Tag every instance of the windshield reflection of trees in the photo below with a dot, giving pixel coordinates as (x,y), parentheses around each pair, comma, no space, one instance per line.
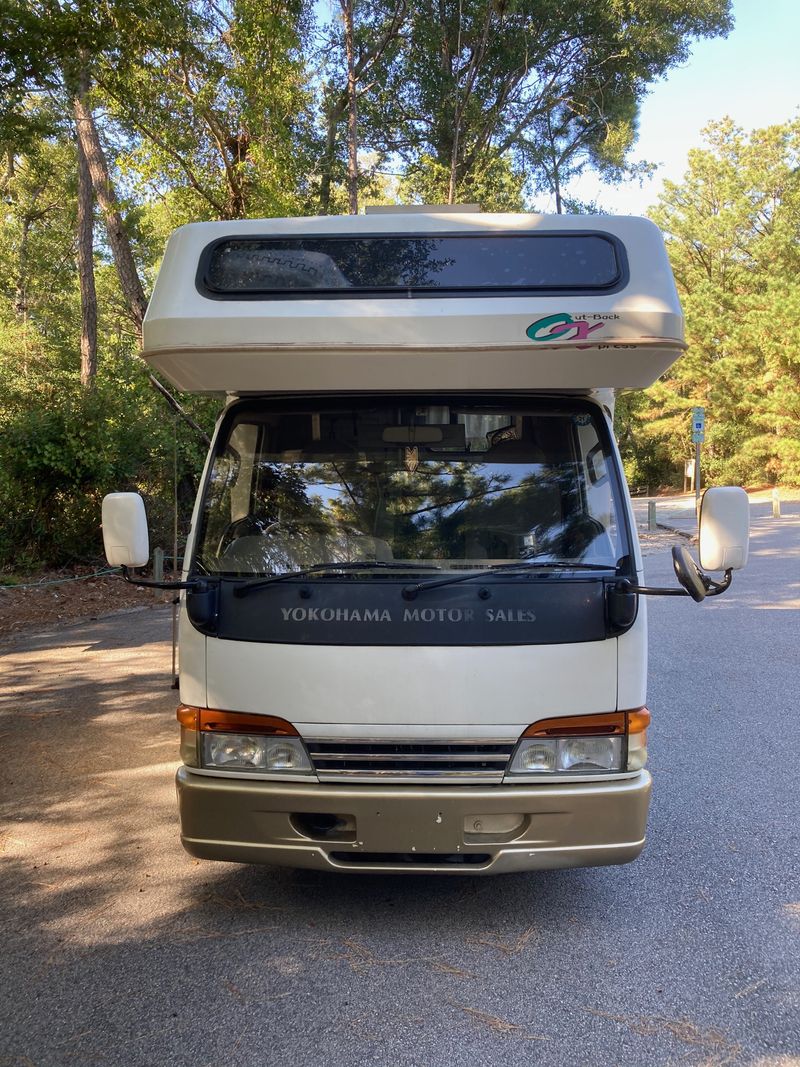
(348,510)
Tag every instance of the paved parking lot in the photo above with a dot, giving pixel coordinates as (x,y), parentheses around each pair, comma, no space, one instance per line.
(118,948)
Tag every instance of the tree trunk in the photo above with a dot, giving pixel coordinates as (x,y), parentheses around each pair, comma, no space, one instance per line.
(451,188)
(333,114)
(21,295)
(557,191)
(89,142)
(555,180)
(86,256)
(352,108)
(118,239)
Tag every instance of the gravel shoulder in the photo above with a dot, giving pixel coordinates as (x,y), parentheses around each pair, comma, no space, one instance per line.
(54,599)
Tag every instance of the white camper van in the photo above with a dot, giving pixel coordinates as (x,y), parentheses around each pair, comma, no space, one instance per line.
(413,632)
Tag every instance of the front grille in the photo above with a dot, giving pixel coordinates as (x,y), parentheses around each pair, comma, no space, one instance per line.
(403,761)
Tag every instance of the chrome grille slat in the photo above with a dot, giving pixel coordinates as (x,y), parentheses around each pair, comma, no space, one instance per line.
(477,759)
(418,757)
(416,776)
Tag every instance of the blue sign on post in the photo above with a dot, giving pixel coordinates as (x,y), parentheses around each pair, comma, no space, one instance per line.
(698,425)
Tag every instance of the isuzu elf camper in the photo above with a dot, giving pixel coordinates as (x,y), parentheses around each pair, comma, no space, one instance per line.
(413,632)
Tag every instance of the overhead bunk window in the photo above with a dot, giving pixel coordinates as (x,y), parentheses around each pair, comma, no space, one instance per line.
(410,265)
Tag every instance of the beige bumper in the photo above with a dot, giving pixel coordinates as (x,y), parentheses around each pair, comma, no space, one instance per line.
(458,830)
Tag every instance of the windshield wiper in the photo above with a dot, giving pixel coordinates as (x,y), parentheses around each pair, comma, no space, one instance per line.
(327,568)
(410,591)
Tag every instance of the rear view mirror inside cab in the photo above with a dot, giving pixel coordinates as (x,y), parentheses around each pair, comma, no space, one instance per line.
(448,436)
(412,435)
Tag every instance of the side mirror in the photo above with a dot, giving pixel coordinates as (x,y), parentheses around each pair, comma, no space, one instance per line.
(125,537)
(688,573)
(724,528)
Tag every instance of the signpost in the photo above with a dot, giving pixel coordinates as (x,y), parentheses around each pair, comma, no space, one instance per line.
(698,436)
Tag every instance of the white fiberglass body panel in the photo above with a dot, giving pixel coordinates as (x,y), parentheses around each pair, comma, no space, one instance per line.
(632,648)
(622,338)
(192,662)
(412,686)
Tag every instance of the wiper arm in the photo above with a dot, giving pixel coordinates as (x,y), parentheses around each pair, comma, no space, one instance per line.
(410,591)
(327,568)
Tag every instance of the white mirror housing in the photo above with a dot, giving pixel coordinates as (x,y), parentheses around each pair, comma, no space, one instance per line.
(724,528)
(125,536)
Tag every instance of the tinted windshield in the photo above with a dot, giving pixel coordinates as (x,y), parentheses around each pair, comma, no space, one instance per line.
(456,485)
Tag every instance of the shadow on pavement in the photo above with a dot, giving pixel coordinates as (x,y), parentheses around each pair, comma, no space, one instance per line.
(118,948)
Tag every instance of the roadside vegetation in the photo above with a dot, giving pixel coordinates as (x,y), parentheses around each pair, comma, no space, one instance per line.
(122,119)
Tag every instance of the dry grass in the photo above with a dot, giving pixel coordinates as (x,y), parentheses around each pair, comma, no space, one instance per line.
(723,1050)
(497,1025)
(443,967)
(748,989)
(512,949)
(361,960)
(234,901)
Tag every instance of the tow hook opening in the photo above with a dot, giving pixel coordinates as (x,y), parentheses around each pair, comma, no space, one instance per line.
(324,826)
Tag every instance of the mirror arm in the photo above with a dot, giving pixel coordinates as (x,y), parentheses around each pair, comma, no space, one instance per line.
(715,588)
(627,586)
(147,584)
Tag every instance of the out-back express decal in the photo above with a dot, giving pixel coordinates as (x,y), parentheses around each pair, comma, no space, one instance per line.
(563,327)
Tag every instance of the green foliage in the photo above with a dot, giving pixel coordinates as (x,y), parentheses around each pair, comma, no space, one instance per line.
(494,185)
(238,108)
(62,448)
(733,229)
(549,89)
(213,115)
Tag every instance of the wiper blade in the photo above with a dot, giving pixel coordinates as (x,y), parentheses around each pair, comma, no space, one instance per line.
(411,591)
(328,568)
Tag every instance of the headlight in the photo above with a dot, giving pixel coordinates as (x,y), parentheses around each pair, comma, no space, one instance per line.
(591,755)
(535,756)
(241,741)
(608,743)
(251,752)
(234,750)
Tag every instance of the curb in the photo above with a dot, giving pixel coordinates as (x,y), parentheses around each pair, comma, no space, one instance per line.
(674,529)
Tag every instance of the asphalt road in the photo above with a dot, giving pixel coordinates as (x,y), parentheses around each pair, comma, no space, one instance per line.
(118,948)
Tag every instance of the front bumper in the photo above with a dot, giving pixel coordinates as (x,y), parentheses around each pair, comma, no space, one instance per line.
(423,829)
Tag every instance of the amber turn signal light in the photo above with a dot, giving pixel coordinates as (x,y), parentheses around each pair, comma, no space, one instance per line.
(233,722)
(605,724)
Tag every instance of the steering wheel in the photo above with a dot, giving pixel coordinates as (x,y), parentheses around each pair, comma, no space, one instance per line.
(246,526)
(579,535)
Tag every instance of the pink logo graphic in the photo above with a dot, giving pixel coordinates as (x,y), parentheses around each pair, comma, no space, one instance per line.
(561,328)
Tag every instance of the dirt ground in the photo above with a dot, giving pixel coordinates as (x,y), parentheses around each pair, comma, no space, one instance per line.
(55,598)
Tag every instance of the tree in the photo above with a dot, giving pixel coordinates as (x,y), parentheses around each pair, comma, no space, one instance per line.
(733,234)
(357,50)
(548,85)
(88,289)
(185,110)
(547,88)
(215,114)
